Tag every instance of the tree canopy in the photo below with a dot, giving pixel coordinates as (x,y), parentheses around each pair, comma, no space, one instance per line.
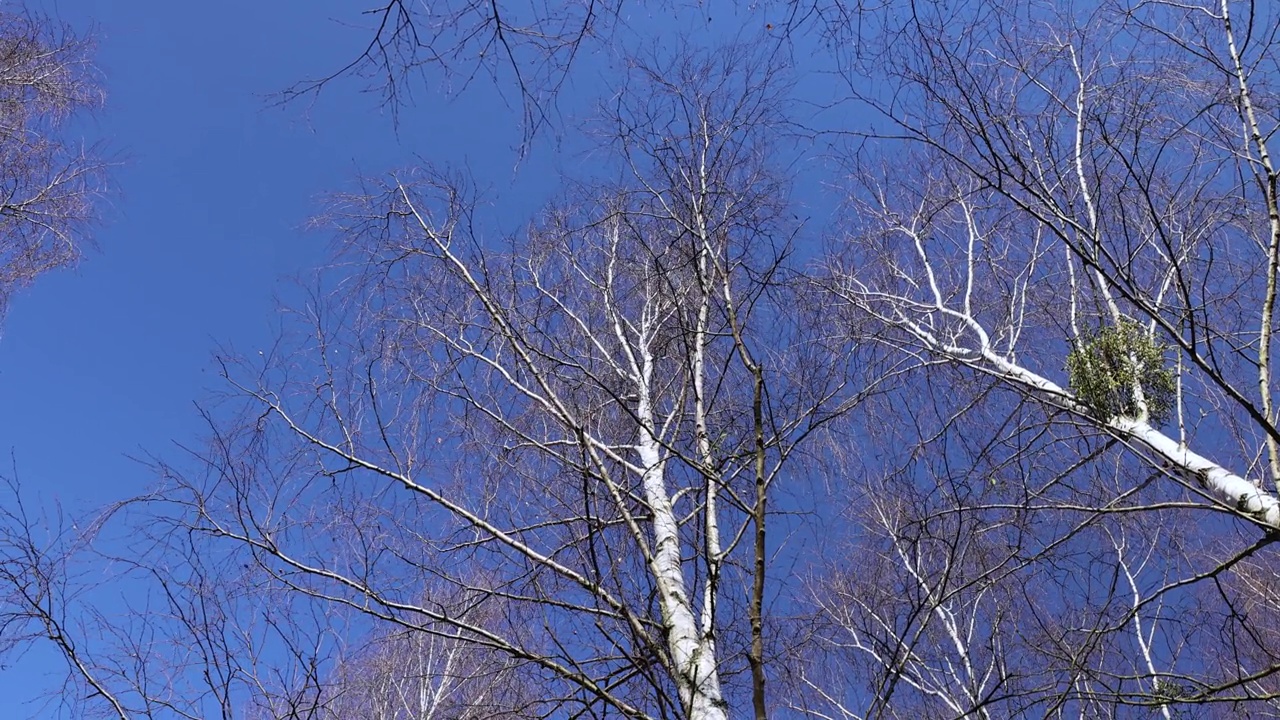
(999,440)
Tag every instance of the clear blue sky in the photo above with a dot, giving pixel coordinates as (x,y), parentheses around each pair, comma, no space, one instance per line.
(204,229)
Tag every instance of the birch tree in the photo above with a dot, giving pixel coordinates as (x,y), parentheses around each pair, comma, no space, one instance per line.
(590,415)
(49,181)
(402,675)
(1068,218)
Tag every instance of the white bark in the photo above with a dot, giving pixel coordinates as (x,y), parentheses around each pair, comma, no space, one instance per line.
(1224,485)
(1267,179)
(959,671)
(949,329)
(1143,635)
(626,345)
(691,652)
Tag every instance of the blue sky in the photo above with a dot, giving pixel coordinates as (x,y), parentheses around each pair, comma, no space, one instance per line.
(204,230)
(214,186)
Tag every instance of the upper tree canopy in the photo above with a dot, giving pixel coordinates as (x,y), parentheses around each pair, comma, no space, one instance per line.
(1004,444)
(49,180)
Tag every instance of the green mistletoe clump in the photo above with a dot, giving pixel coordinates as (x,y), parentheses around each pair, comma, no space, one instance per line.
(1105,367)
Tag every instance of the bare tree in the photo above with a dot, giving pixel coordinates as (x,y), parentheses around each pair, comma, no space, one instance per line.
(531,51)
(154,629)
(48,181)
(405,674)
(559,454)
(40,588)
(1068,218)
(574,432)
(527,48)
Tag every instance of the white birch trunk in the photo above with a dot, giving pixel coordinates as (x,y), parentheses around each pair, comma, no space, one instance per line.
(692,654)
